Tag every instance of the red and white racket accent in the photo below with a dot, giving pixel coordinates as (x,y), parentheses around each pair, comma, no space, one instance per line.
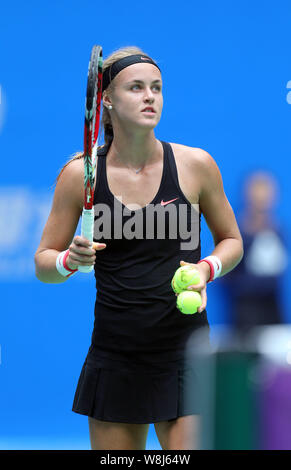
(214,265)
(62,266)
(91,130)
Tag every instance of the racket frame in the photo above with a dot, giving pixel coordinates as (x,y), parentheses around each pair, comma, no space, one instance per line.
(91,131)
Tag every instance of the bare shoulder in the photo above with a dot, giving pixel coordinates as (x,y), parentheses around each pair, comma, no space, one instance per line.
(197,159)
(72,169)
(196,155)
(70,182)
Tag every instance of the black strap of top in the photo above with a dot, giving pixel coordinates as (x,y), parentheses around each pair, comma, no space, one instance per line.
(172,163)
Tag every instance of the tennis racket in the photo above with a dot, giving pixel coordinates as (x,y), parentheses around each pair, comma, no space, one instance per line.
(91,130)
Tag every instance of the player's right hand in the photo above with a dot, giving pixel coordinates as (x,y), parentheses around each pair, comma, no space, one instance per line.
(82,252)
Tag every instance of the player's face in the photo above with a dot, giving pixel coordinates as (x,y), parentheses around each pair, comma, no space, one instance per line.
(137,98)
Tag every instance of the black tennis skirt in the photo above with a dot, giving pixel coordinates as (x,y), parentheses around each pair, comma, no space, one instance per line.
(136,389)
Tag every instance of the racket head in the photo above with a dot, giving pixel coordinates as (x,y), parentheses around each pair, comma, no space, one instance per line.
(92,121)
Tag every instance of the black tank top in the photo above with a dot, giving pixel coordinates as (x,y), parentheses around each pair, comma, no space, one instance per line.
(135,309)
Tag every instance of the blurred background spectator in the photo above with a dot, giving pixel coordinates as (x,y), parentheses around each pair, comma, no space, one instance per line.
(254,286)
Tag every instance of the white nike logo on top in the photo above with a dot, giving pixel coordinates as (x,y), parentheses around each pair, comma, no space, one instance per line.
(164,203)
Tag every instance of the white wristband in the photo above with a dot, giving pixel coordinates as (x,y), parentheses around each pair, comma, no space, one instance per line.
(217,265)
(61,264)
(214,265)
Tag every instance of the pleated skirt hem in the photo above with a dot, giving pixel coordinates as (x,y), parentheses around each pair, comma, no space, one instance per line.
(125,420)
(125,394)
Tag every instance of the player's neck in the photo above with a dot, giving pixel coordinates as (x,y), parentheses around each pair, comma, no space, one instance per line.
(135,150)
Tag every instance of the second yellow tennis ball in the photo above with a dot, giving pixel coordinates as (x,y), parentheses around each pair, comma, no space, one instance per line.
(184,276)
(189,301)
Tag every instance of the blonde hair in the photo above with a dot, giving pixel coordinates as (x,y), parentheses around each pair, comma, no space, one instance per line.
(106,124)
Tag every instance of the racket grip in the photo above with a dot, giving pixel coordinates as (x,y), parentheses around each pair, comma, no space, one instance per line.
(87,227)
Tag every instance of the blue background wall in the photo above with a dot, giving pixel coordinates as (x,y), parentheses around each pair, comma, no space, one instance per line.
(226,67)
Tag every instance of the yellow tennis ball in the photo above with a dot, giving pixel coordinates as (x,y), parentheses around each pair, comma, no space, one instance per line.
(184,276)
(189,301)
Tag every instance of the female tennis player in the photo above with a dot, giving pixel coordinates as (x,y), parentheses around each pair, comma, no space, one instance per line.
(134,373)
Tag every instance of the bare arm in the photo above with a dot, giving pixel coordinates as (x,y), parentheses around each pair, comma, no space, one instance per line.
(58,234)
(220,219)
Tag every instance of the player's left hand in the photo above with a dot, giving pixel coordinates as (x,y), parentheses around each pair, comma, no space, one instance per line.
(203,270)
